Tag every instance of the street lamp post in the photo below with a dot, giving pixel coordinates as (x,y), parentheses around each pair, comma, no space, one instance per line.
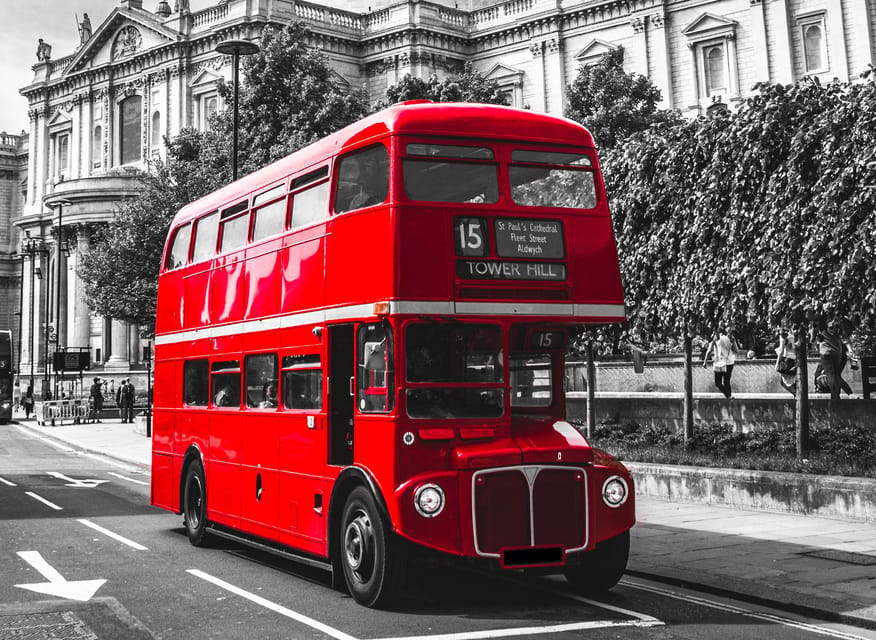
(235,48)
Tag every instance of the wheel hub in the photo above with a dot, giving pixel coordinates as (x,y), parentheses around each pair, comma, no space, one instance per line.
(357,541)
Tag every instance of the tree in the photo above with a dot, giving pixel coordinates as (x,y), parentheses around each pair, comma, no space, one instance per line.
(612,103)
(289,98)
(468,86)
(763,216)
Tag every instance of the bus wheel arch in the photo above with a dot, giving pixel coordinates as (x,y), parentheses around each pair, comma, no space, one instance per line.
(193,496)
(366,555)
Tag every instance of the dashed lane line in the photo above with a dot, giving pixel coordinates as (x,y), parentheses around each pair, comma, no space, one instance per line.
(44,501)
(273,606)
(113,535)
(7,483)
(119,475)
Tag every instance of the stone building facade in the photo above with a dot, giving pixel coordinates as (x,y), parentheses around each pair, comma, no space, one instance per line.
(146,72)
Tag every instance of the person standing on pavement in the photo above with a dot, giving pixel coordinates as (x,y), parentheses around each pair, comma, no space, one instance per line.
(723,352)
(786,362)
(27,401)
(96,397)
(125,400)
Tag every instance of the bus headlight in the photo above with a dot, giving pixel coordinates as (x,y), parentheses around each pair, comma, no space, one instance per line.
(429,500)
(614,491)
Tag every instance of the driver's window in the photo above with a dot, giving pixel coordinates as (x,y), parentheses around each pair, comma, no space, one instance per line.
(375,369)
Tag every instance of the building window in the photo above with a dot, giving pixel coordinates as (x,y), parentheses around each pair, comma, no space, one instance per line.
(713,69)
(207,106)
(712,42)
(97,148)
(155,133)
(814,45)
(62,156)
(131,128)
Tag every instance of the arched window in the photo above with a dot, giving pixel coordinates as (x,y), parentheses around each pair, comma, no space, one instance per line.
(713,64)
(97,147)
(130,130)
(155,132)
(211,106)
(62,156)
(812,46)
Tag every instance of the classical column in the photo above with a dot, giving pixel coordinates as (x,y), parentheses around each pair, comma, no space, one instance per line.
(783,66)
(661,67)
(119,348)
(555,72)
(759,39)
(134,344)
(81,315)
(536,48)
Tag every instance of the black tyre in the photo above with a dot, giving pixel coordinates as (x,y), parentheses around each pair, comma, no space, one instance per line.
(601,569)
(195,503)
(370,555)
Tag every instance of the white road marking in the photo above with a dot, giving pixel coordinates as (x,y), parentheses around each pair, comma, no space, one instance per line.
(529,631)
(766,617)
(7,483)
(119,475)
(84,483)
(310,622)
(113,535)
(44,501)
(57,585)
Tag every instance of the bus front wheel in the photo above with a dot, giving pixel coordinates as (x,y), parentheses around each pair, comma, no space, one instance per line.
(195,503)
(371,556)
(601,569)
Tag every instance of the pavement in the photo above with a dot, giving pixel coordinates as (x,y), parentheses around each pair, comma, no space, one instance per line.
(819,567)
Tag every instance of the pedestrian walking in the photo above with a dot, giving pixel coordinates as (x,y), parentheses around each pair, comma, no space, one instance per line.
(27,401)
(95,401)
(125,400)
(786,362)
(722,350)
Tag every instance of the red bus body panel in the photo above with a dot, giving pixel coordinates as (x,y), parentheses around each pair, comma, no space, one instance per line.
(269,473)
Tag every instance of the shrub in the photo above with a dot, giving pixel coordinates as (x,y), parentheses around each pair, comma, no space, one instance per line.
(847,450)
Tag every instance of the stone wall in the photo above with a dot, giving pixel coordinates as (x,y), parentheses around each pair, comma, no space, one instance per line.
(745,412)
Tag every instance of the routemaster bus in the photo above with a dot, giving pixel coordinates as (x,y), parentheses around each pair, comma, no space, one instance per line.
(360,352)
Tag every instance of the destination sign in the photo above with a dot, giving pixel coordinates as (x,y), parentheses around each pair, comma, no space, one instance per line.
(516,238)
(506,270)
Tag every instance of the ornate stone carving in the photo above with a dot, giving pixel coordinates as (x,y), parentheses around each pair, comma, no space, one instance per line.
(553,45)
(657,20)
(638,24)
(536,48)
(128,42)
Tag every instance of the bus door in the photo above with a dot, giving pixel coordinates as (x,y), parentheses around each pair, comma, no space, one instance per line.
(341,361)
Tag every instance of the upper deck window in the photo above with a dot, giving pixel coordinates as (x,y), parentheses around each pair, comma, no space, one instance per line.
(268,219)
(235,226)
(205,237)
(179,250)
(363,179)
(450,173)
(552,179)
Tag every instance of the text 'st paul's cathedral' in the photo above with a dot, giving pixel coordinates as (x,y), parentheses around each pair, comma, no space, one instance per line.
(150,68)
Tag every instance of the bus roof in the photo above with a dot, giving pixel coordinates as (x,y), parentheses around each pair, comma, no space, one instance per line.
(415,117)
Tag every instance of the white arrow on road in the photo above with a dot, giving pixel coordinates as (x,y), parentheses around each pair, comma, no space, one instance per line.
(88,484)
(81,590)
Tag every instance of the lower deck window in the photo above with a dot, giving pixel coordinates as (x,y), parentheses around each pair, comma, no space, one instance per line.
(531,384)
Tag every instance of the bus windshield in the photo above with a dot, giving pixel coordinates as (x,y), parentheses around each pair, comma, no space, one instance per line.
(568,183)
(450,355)
(450,173)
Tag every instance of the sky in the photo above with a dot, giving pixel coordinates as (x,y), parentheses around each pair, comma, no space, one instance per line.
(24,22)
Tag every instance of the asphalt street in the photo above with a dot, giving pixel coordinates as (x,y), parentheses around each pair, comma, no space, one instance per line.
(83,555)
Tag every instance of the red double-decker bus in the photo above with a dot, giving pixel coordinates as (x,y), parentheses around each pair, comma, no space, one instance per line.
(360,351)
